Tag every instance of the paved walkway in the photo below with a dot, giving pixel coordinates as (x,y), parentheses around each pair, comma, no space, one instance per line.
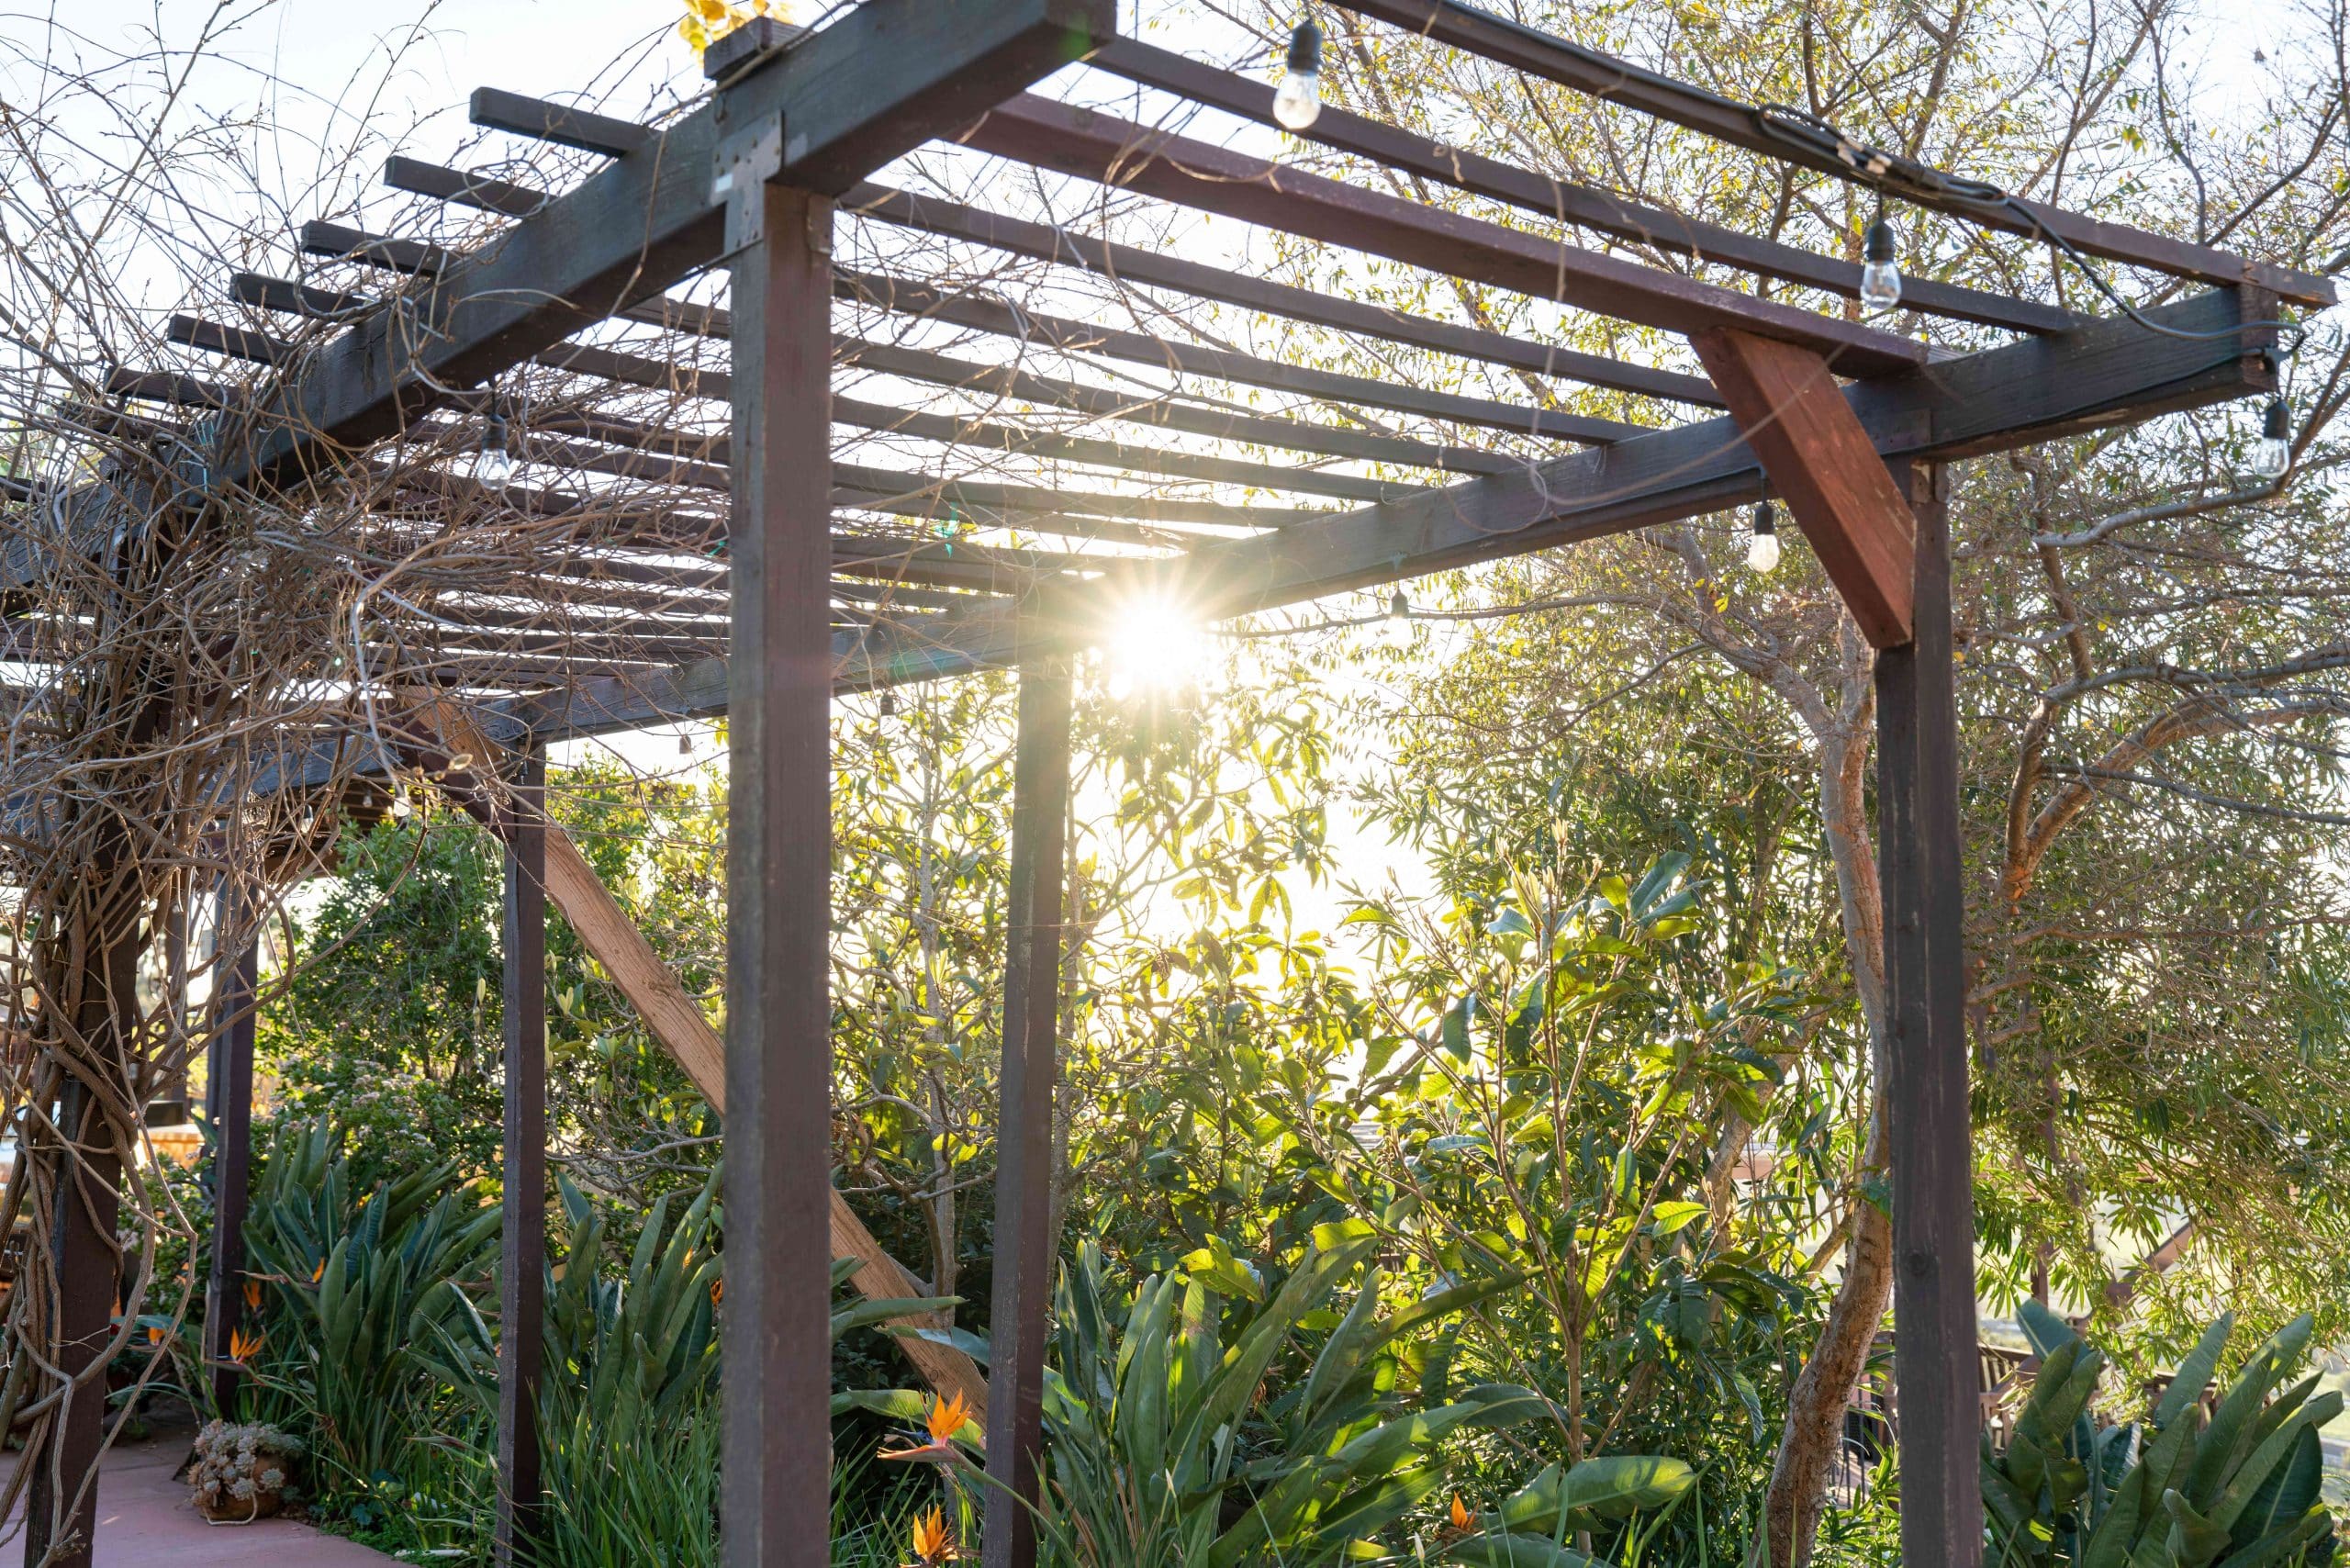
(145,1521)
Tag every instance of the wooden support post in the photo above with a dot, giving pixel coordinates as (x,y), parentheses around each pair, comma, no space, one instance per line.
(89,1148)
(229,1107)
(1024,1182)
(522,1263)
(62,1504)
(1929,1123)
(776,1330)
(676,1021)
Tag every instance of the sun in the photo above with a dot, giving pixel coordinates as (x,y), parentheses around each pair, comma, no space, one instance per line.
(1154,645)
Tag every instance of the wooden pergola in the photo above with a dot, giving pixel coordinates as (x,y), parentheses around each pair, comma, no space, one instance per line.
(757,573)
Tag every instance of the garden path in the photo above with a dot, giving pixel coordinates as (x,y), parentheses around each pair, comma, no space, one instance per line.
(145,1521)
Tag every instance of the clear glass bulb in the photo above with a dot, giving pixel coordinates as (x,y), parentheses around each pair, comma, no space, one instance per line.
(1880,285)
(2273,453)
(493,465)
(1299,102)
(1763,554)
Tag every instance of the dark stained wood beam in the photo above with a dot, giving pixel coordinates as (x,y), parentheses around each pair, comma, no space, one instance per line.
(1159,412)
(1000,318)
(905,295)
(229,1107)
(1024,1245)
(1169,413)
(560,123)
(2032,390)
(1154,269)
(774,1332)
(883,79)
(1565,201)
(237,343)
(519,1518)
(1094,145)
(485,193)
(1793,417)
(297,298)
(1929,1123)
(1537,53)
(2109,373)
(949,430)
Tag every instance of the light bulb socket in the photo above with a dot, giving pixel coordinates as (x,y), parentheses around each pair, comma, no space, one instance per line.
(1305,49)
(1399,608)
(1766,519)
(1879,245)
(2277,423)
(493,432)
(888,704)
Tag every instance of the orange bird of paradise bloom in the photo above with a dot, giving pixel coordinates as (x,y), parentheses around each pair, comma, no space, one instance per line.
(1459,1513)
(946,1418)
(241,1346)
(154,1334)
(319,1272)
(252,1296)
(932,1543)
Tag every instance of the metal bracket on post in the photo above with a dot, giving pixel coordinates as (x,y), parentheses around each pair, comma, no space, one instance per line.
(745,163)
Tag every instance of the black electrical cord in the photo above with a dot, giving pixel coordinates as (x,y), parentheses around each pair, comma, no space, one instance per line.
(1903,176)
(1887,172)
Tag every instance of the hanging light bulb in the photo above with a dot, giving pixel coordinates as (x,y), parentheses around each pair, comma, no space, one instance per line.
(2273,453)
(494,464)
(1299,101)
(1763,551)
(1880,279)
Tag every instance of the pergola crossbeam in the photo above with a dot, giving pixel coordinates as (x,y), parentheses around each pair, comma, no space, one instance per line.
(1533,52)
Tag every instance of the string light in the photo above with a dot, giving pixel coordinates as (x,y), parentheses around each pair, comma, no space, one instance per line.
(2273,453)
(1399,608)
(494,464)
(1880,278)
(1299,102)
(1763,550)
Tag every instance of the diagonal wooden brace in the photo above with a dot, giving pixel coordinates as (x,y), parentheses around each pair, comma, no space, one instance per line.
(442,742)
(1820,458)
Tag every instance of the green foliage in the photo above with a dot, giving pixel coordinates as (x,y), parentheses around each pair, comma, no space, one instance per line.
(1182,1437)
(390,1017)
(629,1415)
(368,1301)
(2240,1488)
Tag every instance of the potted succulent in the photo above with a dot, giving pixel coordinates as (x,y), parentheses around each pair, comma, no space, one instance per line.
(242,1473)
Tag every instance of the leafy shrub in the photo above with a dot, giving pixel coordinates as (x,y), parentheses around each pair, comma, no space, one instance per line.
(1173,1442)
(2179,1491)
(366,1311)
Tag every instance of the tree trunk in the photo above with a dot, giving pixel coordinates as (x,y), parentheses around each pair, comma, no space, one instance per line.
(1814,1427)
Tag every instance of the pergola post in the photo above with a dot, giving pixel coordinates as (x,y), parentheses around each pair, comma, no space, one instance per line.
(1032,994)
(522,1261)
(229,1107)
(88,1150)
(776,1331)
(1929,1123)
